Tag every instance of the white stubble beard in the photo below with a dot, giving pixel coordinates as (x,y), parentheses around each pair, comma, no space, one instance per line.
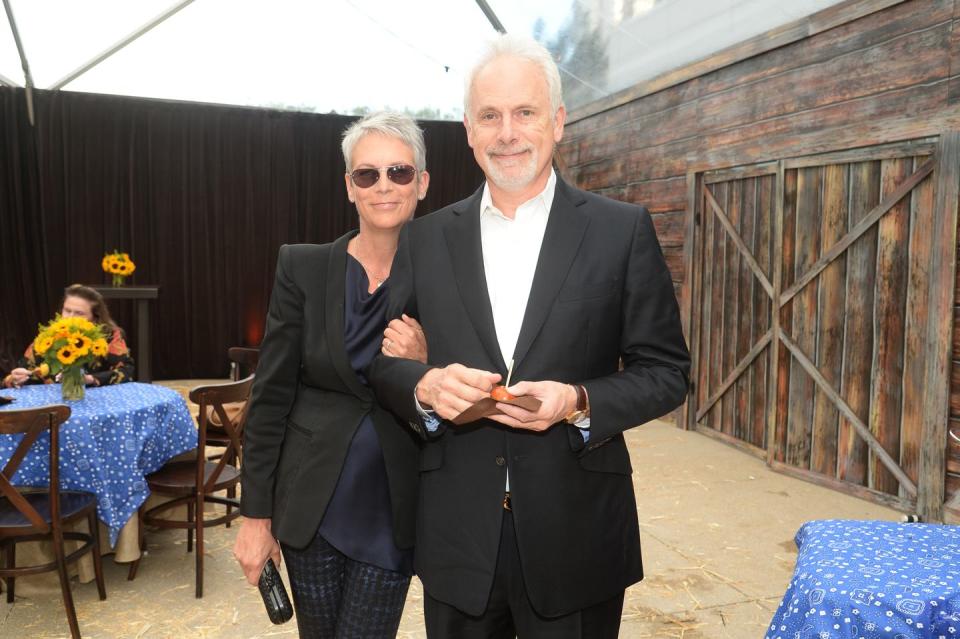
(517,181)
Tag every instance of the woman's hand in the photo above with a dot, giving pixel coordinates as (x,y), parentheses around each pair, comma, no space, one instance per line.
(254,545)
(90,380)
(404,338)
(19,376)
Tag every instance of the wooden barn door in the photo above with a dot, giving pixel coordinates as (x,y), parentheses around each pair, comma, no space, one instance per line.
(814,280)
(734,329)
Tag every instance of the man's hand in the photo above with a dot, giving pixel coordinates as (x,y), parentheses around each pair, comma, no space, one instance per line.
(255,543)
(450,391)
(556,402)
(404,338)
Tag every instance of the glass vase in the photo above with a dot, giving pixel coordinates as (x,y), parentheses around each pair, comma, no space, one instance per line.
(117,280)
(71,384)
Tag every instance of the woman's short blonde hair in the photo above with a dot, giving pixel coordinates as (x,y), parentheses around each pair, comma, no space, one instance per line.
(389,123)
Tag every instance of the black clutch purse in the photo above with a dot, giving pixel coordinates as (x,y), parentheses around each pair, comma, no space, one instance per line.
(274,594)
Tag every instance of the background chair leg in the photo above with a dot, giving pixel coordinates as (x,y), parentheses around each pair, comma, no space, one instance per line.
(200,548)
(132,570)
(142,539)
(190,508)
(65,586)
(231,494)
(97,563)
(232,491)
(11,563)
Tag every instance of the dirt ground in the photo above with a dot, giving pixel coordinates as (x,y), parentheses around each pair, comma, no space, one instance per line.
(717,530)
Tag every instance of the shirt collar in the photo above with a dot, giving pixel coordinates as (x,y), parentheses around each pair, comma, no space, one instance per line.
(545,196)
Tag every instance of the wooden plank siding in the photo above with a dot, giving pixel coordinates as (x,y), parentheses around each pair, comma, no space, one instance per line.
(746,331)
(705,346)
(715,378)
(891,74)
(732,310)
(889,318)
(931,497)
(922,236)
(786,259)
(823,454)
(858,329)
(762,304)
(804,309)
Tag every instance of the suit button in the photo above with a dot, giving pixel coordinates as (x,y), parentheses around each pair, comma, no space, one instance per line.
(500,460)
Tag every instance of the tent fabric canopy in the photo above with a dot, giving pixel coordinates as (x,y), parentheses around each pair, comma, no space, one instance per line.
(352,56)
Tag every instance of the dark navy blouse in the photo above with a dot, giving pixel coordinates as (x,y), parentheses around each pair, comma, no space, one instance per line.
(359,521)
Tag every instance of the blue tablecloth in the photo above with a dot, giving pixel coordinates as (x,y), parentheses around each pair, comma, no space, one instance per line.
(872,579)
(116,436)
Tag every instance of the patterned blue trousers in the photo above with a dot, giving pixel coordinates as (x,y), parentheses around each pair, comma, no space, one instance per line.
(336,597)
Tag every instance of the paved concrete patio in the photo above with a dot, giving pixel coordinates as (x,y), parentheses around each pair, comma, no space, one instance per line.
(717,529)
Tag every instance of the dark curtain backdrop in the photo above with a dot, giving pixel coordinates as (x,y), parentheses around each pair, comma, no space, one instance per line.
(201,196)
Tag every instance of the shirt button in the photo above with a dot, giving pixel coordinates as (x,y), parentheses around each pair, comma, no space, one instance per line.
(500,460)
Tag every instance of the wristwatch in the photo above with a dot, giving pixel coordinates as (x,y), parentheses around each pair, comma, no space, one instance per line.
(582,411)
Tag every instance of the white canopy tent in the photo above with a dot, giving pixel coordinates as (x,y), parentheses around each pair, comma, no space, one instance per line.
(350,56)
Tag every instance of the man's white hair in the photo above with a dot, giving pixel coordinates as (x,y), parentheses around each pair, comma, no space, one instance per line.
(391,124)
(517,46)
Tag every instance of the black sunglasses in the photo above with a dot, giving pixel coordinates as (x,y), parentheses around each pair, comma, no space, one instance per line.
(398,174)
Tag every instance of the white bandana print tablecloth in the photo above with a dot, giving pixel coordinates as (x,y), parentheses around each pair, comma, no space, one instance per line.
(116,436)
(872,579)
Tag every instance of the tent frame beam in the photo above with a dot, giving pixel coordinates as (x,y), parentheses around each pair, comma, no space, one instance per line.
(106,53)
(5,81)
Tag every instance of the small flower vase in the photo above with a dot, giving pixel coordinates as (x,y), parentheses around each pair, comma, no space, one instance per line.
(117,280)
(72,387)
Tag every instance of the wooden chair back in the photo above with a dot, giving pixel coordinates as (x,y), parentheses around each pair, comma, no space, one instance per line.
(31,423)
(211,399)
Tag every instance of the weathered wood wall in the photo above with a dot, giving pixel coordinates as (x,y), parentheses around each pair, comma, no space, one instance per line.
(890,74)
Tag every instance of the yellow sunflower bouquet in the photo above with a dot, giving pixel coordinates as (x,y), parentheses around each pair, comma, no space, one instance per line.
(119,265)
(67,345)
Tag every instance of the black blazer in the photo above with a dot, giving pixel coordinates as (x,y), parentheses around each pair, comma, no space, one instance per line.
(601,292)
(307,403)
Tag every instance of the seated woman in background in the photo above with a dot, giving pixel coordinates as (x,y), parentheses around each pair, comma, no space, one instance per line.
(113,368)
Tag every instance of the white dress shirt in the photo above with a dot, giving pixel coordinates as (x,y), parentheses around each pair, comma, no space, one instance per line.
(511,249)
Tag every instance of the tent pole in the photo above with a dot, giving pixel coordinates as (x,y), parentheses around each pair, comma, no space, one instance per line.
(491,16)
(23,60)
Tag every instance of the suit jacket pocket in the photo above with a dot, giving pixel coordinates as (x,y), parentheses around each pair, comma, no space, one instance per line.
(431,456)
(611,457)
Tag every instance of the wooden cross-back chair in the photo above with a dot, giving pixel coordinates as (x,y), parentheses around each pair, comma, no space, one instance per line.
(194,483)
(40,513)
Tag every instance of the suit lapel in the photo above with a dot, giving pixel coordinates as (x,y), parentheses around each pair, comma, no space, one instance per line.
(466,254)
(334,310)
(561,240)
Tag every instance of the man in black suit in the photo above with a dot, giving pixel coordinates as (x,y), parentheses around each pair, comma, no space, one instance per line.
(527,523)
